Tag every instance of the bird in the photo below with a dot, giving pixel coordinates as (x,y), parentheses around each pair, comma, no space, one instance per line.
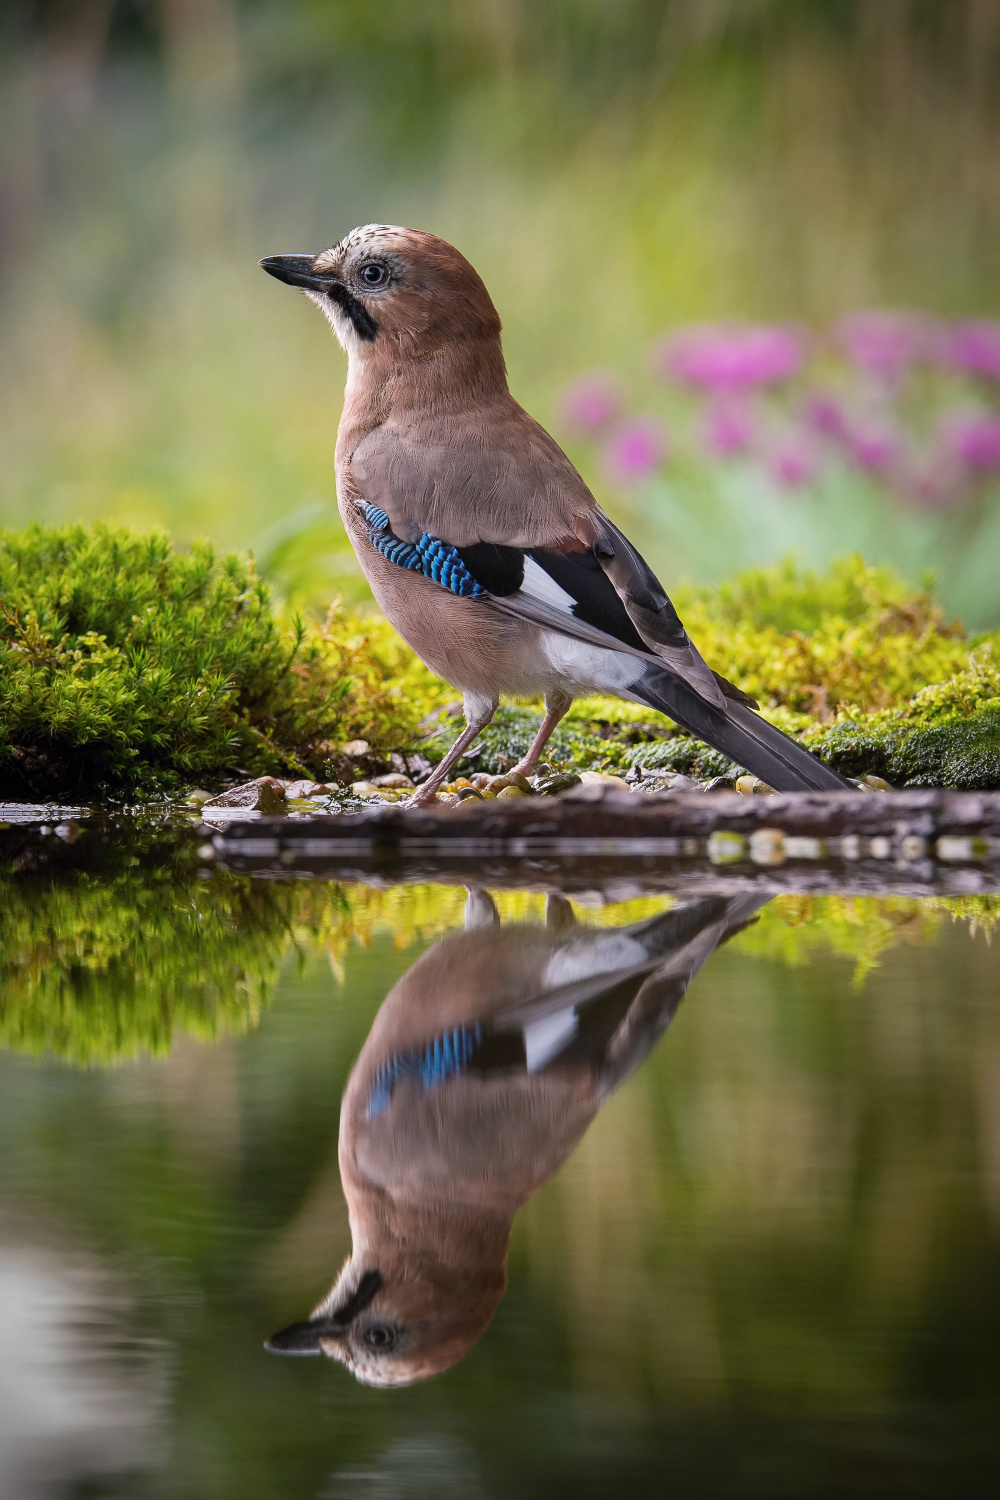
(485,1065)
(480,541)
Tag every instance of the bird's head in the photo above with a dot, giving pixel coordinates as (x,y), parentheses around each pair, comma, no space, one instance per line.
(387,287)
(392,1329)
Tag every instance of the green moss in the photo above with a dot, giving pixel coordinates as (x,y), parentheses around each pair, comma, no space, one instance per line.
(947,735)
(95,968)
(126,667)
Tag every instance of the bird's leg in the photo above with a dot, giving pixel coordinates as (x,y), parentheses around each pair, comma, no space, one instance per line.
(559,914)
(478,713)
(557,704)
(480,910)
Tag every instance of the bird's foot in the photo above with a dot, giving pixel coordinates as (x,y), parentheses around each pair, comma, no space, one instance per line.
(422,797)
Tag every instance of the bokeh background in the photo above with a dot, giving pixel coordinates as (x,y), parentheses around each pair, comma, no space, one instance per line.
(616,171)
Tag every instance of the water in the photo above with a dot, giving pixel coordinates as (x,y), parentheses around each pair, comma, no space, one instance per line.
(750,1173)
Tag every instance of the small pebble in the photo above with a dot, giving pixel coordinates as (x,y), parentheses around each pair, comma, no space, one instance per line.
(395,780)
(767,846)
(604,778)
(752,786)
(354,749)
(510,791)
(719,784)
(264,794)
(665,781)
(296,789)
(725,848)
(877,783)
(952,846)
(801,846)
(509,778)
(556,782)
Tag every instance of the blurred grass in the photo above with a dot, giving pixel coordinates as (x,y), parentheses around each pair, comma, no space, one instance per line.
(610,170)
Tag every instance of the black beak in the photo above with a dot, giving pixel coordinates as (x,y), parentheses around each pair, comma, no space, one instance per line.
(303,1338)
(296,270)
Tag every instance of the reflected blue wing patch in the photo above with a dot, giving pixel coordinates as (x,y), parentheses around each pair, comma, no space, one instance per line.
(431,1065)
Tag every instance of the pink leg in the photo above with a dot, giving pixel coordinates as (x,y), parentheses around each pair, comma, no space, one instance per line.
(478,713)
(557,705)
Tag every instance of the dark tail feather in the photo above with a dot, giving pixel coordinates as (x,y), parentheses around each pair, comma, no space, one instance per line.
(741,734)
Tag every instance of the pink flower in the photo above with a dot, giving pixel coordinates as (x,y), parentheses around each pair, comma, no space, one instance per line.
(975,346)
(872,442)
(884,343)
(727,427)
(825,415)
(590,404)
(636,449)
(792,461)
(731,357)
(974,438)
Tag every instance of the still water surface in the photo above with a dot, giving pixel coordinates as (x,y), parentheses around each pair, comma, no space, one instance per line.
(746,1156)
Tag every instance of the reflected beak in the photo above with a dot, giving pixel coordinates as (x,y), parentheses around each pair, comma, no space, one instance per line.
(303,1338)
(296,270)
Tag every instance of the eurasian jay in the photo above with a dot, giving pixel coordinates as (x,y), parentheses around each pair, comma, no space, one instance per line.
(481,542)
(485,1065)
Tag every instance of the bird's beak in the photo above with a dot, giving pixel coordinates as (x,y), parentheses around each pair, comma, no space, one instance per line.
(296,270)
(303,1338)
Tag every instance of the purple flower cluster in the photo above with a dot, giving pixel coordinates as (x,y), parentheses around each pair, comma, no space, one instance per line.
(730,357)
(909,400)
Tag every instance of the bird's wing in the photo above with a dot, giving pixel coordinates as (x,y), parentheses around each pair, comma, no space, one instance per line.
(562,565)
(578,1019)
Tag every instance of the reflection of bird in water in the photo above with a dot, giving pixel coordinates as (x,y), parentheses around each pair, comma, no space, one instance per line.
(484,1067)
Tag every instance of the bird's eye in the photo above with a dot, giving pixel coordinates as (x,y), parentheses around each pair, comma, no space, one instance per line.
(373,273)
(380,1336)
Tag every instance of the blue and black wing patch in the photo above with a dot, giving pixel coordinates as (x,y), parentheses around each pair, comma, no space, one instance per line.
(438,1060)
(428,555)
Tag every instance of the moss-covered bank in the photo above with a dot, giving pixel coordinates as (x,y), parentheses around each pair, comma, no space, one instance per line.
(127,667)
(130,669)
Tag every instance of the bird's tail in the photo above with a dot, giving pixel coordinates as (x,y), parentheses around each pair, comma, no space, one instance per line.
(741,734)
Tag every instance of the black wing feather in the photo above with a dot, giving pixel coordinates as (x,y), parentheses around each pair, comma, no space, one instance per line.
(598,602)
(499,569)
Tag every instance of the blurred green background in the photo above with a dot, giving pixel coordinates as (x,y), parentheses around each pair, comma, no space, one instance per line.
(611,169)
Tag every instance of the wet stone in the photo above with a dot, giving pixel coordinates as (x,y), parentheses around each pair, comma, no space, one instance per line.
(265,795)
(297,789)
(556,782)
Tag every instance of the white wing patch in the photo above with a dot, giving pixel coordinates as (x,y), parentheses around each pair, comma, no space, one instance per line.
(538,585)
(545,1039)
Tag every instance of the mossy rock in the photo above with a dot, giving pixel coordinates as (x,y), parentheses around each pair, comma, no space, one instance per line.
(128,668)
(964,753)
